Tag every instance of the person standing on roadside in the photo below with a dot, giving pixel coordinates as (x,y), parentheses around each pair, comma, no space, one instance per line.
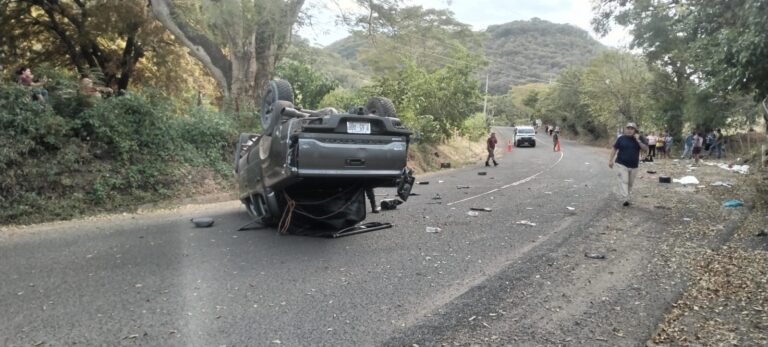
(668,140)
(555,139)
(698,143)
(717,145)
(491,146)
(27,79)
(687,152)
(626,157)
(660,146)
(651,146)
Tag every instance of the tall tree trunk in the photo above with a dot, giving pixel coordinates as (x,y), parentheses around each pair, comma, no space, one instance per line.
(243,89)
(243,73)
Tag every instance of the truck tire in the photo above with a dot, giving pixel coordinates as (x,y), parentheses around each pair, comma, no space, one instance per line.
(381,106)
(277,90)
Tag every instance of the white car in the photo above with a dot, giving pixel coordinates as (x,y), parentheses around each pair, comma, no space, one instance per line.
(525,135)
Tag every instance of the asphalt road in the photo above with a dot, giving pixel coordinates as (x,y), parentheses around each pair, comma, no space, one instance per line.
(154,280)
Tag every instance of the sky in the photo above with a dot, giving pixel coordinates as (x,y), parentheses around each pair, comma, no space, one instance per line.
(477,13)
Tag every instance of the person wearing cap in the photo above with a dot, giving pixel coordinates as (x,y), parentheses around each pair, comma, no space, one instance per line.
(626,158)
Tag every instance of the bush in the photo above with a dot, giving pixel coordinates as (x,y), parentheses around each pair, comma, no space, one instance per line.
(62,159)
(475,127)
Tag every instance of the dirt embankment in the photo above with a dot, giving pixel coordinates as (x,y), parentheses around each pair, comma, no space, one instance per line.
(457,153)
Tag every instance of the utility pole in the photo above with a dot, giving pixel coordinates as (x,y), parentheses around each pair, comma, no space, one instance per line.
(485,103)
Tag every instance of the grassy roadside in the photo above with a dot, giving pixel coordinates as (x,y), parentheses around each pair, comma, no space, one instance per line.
(722,254)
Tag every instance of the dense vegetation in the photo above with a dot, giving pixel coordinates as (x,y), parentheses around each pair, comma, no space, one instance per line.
(76,154)
(523,52)
(187,84)
(518,52)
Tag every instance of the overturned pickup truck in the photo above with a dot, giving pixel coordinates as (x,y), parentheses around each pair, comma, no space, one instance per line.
(308,170)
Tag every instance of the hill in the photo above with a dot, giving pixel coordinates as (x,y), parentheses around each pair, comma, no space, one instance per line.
(522,52)
(519,52)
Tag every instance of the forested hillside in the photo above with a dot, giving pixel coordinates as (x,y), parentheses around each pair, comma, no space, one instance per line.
(522,52)
(518,52)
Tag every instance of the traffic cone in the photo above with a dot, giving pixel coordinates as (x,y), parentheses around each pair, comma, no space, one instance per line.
(557,147)
(509,145)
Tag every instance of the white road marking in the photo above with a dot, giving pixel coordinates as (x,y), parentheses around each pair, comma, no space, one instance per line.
(527,179)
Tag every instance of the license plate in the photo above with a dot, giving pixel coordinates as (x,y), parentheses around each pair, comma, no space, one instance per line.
(358,128)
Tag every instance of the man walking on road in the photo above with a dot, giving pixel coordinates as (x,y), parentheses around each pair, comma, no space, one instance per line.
(491,144)
(626,157)
(555,140)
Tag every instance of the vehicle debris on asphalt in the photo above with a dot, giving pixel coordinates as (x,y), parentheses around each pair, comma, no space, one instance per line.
(526,222)
(202,222)
(481,209)
(595,256)
(482,173)
(463,187)
(434,230)
(722,184)
(390,204)
(473,214)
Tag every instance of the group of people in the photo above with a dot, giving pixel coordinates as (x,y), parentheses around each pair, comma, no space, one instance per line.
(87,88)
(552,129)
(628,147)
(697,142)
(659,146)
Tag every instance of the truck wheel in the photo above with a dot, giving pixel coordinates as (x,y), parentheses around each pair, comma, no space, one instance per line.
(259,210)
(381,106)
(277,90)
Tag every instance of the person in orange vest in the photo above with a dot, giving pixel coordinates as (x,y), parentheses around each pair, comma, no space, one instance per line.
(491,146)
(556,140)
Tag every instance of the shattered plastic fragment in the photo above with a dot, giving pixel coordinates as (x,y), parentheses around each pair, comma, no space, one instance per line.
(594,256)
(687,180)
(525,222)
(473,214)
(722,184)
(434,230)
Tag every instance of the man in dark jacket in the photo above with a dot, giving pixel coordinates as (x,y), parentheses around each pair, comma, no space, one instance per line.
(491,146)
(626,158)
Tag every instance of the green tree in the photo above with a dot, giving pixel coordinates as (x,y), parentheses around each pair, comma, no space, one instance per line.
(107,38)
(436,103)
(238,42)
(616,89)
(309,85)
(565,104)
(723,42)
(532,101)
